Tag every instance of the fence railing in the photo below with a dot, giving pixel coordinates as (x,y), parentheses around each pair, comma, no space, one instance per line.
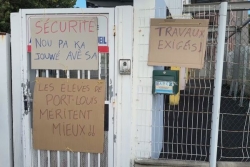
(185,129)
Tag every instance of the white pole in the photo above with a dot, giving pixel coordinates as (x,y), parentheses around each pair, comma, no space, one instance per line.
(5,105)
(218,84)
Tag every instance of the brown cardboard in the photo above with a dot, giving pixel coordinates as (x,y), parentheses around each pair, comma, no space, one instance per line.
(65,43)
(179,42)
(68,115)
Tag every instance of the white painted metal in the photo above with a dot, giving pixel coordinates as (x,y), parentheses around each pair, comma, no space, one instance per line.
(5,105)
(218,84)
(123,90)
(16,88)
(25,155)
(112,85)
(175,8)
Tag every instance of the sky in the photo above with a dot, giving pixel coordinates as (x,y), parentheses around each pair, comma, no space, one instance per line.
(81,3)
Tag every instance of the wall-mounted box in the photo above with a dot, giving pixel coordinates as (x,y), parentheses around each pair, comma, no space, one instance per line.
(125,66)
(165,82)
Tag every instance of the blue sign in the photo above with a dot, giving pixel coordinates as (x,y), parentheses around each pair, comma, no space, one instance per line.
(164,87)
(102,40)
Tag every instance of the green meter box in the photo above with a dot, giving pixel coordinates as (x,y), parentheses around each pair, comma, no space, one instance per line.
(165,82)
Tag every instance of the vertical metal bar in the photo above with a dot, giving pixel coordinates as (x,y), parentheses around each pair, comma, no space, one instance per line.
(58,152)
(221,127)
(243,136)
(100,66)
(48,152)
(248,117)
(88,153)
(68,153)
(38,151)
(218,83)
(237,56)
(202,102)
(226,52)
(106,73)
(78,154)
(99,77)
(244,76)
(207,73)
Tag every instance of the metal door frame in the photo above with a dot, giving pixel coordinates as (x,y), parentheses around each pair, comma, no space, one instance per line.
(20,77)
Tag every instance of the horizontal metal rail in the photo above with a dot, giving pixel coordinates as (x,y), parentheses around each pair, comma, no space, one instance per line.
(206,7)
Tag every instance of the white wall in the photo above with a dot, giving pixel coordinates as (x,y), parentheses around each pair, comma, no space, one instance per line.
(147,109)
(5,104)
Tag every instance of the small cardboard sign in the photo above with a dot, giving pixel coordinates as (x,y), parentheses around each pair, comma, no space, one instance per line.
(178,42)
(64,43)
(68,115)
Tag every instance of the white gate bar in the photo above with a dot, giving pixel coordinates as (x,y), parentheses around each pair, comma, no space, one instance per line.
(58,152)
(88,153)
(68,159)
(68,153)
(218,84)
(99,77)
(16,89)
(38,151)
(48,152)
(78,153)
(5,106)
(26,123)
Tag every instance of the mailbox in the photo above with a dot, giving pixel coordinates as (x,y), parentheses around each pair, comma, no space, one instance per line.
(165,82)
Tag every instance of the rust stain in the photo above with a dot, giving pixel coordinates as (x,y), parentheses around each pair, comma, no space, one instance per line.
(2,37)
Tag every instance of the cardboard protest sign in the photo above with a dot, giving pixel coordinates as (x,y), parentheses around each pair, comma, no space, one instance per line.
(68,115)
(179,42)
(64,43)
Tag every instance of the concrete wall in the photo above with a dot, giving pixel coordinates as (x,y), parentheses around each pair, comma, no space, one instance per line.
(147,109)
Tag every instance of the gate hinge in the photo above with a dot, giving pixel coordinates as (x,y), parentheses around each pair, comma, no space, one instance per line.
(114,31)
(27,97)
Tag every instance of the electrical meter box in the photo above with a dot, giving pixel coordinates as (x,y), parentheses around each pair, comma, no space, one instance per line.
(165,82)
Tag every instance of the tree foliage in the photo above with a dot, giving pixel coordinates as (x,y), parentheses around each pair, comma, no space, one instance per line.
(9,6)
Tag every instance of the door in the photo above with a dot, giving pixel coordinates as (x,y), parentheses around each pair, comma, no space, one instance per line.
(23,81)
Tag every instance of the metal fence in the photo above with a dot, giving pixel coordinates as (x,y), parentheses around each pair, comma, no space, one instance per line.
(234,129)
(183,131)
(187,126)
(180,131)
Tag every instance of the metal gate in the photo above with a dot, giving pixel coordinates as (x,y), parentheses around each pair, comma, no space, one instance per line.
(23,80)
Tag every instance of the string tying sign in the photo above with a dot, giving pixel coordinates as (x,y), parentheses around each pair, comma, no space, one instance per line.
(69,114)
(179,42)
(64,42)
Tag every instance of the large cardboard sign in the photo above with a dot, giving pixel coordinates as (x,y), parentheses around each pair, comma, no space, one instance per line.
(68,115)
(103,28)
(178,42)
(64,43)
